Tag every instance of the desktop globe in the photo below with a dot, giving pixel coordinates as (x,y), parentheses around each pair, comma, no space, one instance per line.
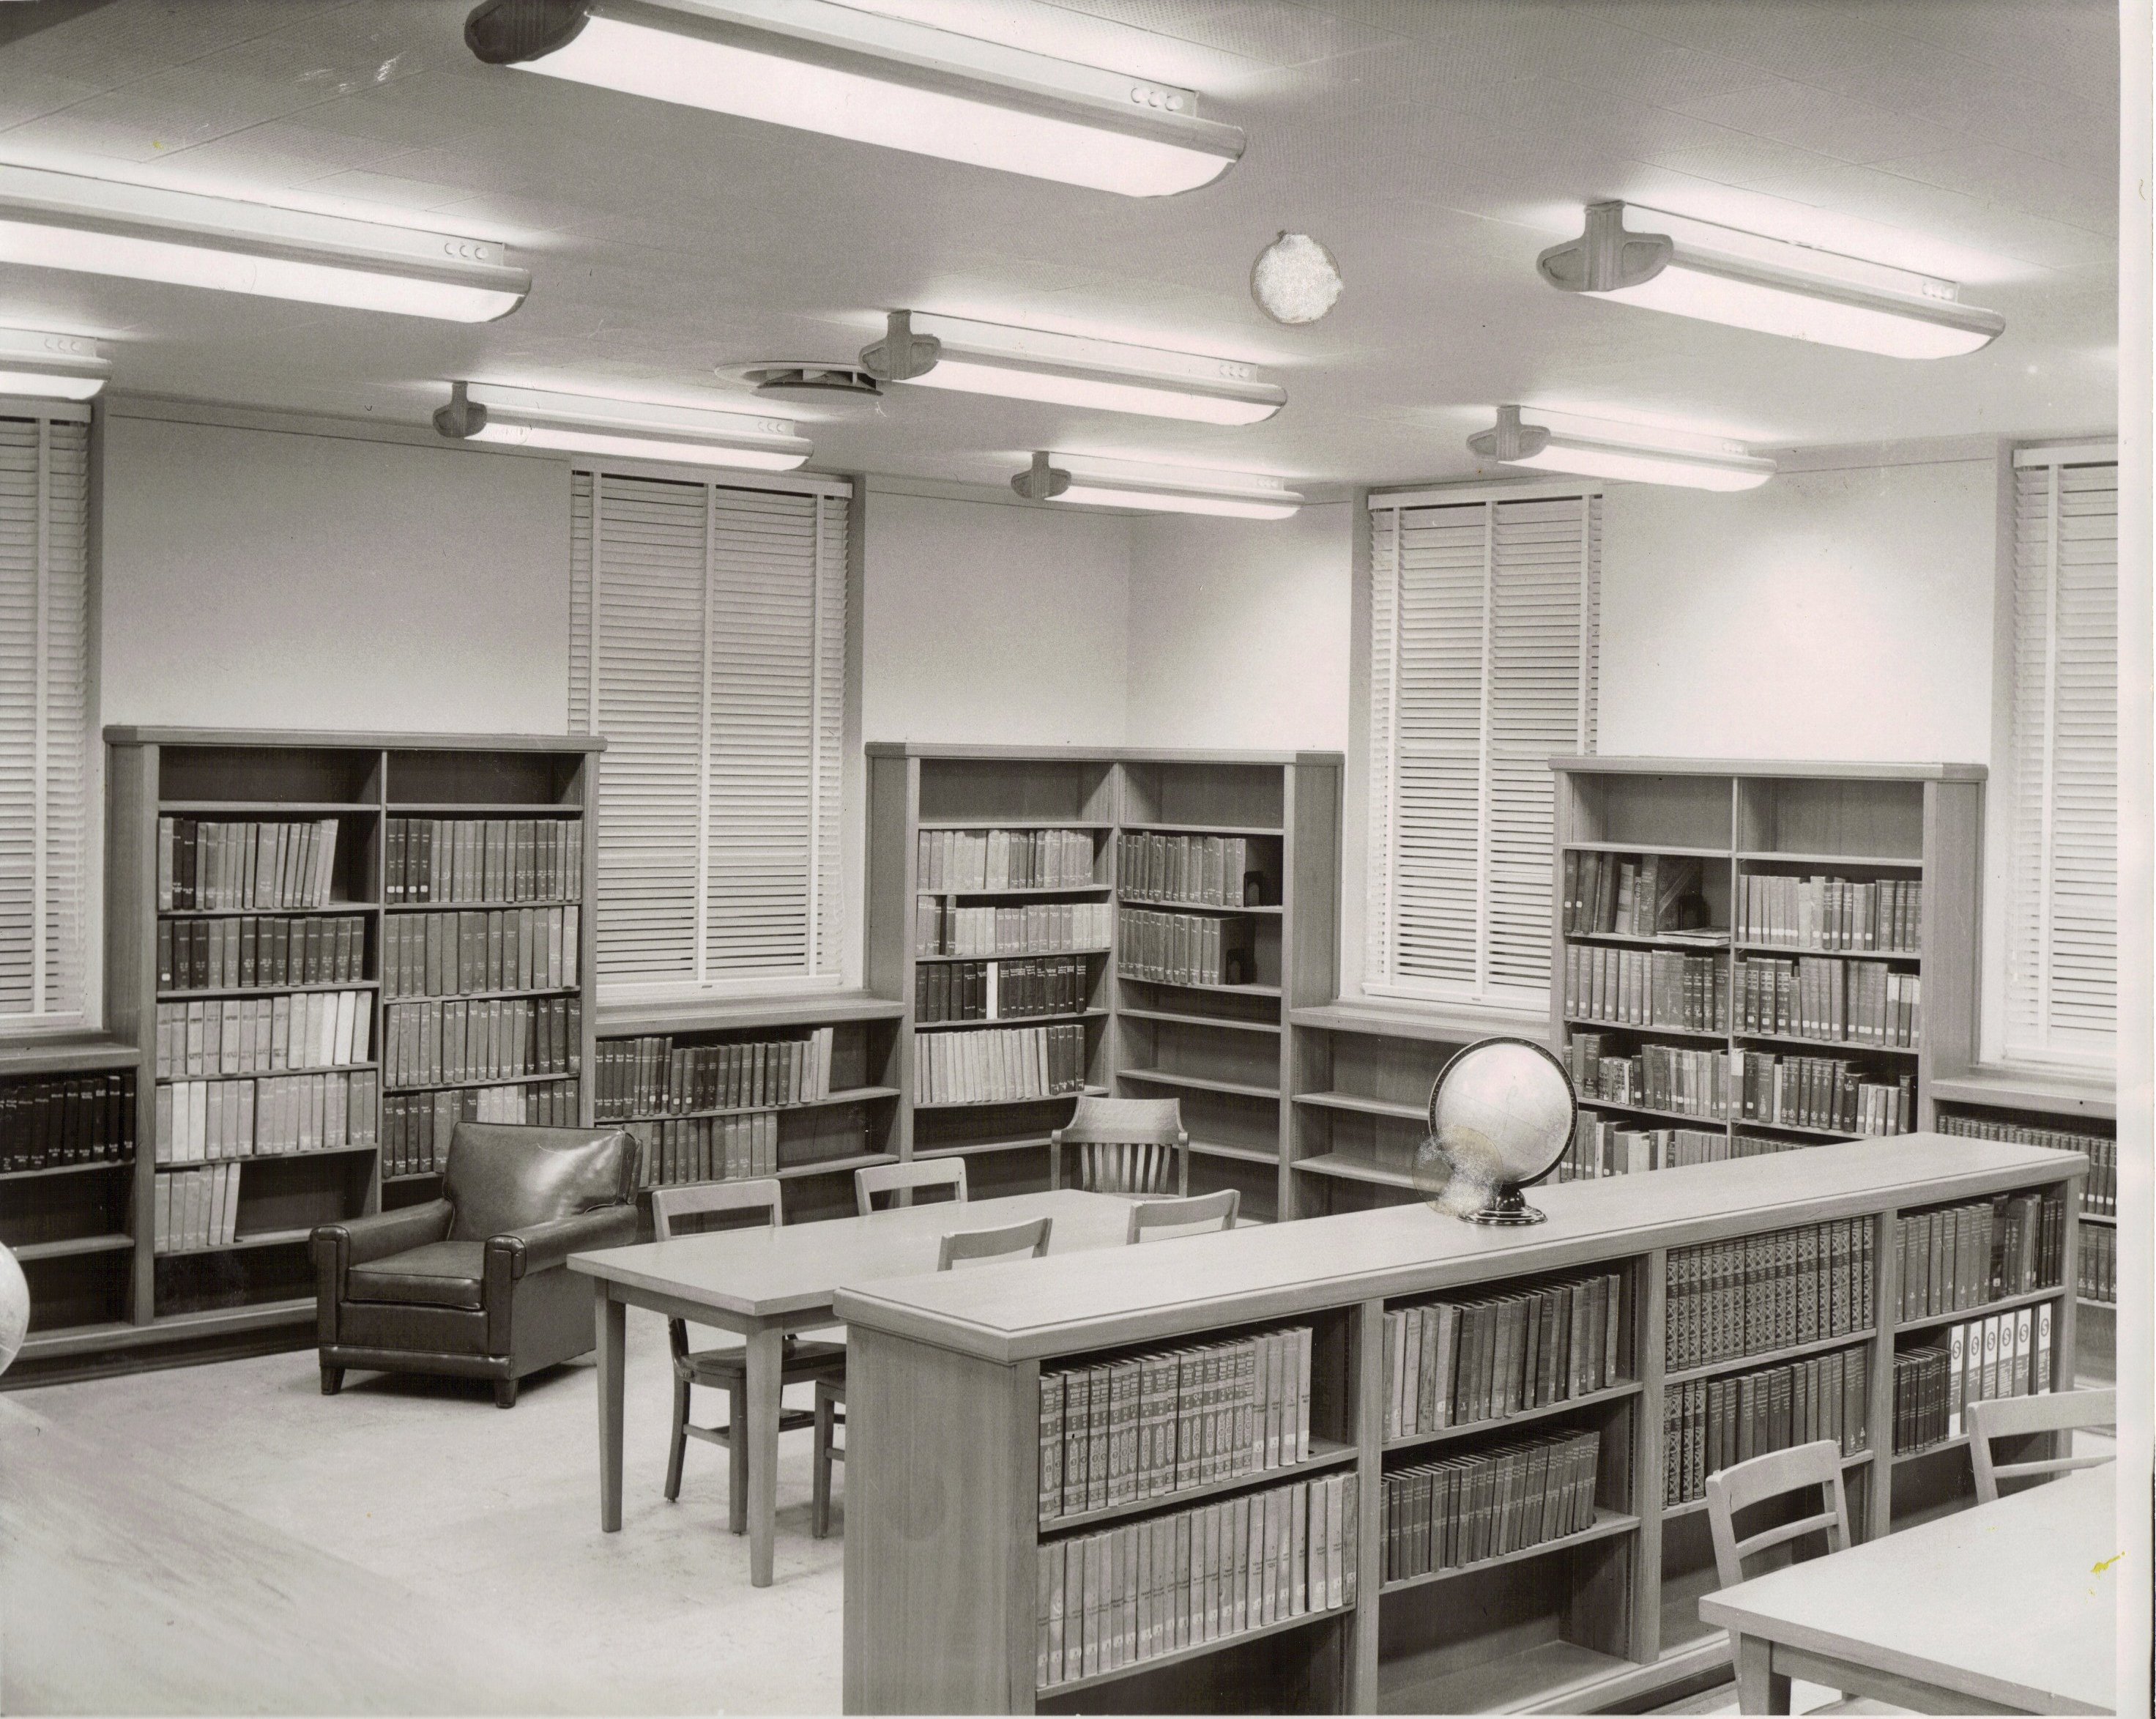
(1500,1117)
(14,1308)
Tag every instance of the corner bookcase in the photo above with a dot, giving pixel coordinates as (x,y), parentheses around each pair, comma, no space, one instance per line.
(1158,1004)
(512,817)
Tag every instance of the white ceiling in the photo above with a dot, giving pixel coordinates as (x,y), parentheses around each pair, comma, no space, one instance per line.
(1435,145)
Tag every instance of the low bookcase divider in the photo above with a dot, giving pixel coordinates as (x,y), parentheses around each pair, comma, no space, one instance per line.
(1463,1466)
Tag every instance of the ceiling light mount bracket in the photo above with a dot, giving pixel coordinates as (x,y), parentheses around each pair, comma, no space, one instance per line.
(1041,481)
(901,355)
(462,417)
(1511,440)
(1605,258)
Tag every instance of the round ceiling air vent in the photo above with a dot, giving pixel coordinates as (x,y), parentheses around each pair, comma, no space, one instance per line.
(801,380)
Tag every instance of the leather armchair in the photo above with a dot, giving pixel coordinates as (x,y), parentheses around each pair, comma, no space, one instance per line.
(475,1283)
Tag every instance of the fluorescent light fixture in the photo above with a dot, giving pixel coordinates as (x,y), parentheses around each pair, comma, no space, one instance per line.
(1085,480)
(1068,370)
(869,79)
(628,429)
(1721,275)
(146,232)
(1600,447)
(51,366)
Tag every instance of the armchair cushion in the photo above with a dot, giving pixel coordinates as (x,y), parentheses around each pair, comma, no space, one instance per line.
(502,1177)
(437,1274)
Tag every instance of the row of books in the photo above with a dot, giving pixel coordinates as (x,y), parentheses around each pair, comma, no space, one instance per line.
(221,866)
(1646,988)
(1149,1588)
(1451,1362)
(416,1127)
(279,1114)
(1824,1092)
(998,990)
(2096,1267)
(707,1149)
(262,951)
(1153,1424)
(1662,1077)
(1962,1256)
(503,1038)
(1036,928)
(1002,858)
(1606,895)
(653,1076)
(1186,948)
(2099,1189)
(1820,996)
(261,1035)
(1759,1293)
(2002,1355)
(482,859)
(1000,1065)
(1457,1510)
(1708,1425)
(1602,1148)
(196,1208)
(1885,915)
(67,1119)
(1206,870)
(496,949)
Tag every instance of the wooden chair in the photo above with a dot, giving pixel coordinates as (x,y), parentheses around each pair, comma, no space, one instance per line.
(680,1211)
(1127,1146)
(1030,1238)
(895,1178)
(2019,1417)
(1212,1208)
(1763,1478)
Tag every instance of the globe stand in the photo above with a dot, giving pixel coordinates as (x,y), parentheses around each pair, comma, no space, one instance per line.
(1507,1208)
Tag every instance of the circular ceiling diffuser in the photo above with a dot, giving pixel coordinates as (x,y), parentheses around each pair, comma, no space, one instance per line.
(808,382)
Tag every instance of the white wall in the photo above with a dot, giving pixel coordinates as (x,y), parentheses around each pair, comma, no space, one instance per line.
(1836,613)
(1239,630)
(988,623)
(255,579)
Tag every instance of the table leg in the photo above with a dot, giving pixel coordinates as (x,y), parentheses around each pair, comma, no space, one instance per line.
(1760,1688)
(765,1358)
(611,1318)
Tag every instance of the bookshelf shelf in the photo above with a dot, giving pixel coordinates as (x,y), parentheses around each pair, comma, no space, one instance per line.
(1640,1109)
(1326,1454)
(1388,1108)
(271,1157)
(1933,1321)
(266,809)
(1016,954)
(851,1094)
(979,1149)
(72,1246)
(347,909)
(1183,1656)
(338,1068)
(1538,1678)
(1001,1104)
(1667,850)
(1220,829)
(1863,862)
(1354,1170)
(1199,907)
(239,1245)
(1015,1020)
(1806,1129)
(1703,1035)
(1794,949)
(1618,1392)
(1242,1154)
(1768,1358)
(1607,1522)
(224,991)
(475,1082)
(833,1167)
(1012,824)
(485,808)
(1198,1083)
(67,1169)
(1029,893)
(1832,1046)
(1690,942)
(494,906)
(1193,985)
(2104,1218)
(1939,1447)
(1210,1022)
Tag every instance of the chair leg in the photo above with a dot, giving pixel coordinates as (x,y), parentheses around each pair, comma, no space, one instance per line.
(820,1495)
(737,1438)
(332,1380)
(505,1394)
(680,1441)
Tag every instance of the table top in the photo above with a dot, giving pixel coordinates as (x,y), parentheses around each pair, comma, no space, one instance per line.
(2015,1602)
(760,1273)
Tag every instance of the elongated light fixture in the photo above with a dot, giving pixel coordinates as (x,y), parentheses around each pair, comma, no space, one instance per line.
(871,80)
(146,233)
(628,429)
(1068,370)
(51,366)
(1721,275)
(1601,447)
(1085,480)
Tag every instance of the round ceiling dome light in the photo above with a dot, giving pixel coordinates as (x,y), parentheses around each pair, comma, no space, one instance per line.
(1294,279)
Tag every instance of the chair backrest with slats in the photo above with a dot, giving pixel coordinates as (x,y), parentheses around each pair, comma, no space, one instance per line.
(2063,1411)
(1214,1210)
(1125,1145)
(674,1210)
(1027,1238)
(1764,1478)
(894,1178)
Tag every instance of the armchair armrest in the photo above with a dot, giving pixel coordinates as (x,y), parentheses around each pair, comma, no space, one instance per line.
(537,1247)
(338,1247)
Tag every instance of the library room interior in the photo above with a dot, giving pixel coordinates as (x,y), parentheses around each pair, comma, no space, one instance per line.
(1075,856)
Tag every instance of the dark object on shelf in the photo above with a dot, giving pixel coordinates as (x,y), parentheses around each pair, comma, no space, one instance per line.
(1501,1117)
(475,1284)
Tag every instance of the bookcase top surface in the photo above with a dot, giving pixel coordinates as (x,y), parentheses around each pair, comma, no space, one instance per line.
(1091,755)
(1808,769)
(1026,1309)
(65,1053)
(706,1014)
(2061,1094)
(1433,1022)
(127,734)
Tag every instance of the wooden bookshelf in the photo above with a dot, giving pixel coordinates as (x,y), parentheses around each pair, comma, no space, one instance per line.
(257,1292)
(1605,1617)
(1221,1049)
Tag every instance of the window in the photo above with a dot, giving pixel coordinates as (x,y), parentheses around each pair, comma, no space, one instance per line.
(708,644)
(1482,666)
(2061,768)
(44,716)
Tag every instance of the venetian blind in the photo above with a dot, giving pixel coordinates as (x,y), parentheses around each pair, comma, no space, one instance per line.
(707,643)
(2062,919)
(1482,666)
(44,716)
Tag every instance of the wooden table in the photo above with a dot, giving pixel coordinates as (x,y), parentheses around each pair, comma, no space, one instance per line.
(764,1283)
(2008,1608)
